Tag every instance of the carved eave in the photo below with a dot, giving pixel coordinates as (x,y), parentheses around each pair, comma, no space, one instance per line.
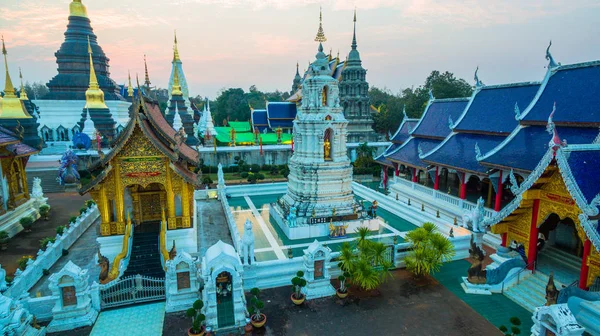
(185,174)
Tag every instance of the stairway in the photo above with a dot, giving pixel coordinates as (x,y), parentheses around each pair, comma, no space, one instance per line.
(566,266)
(49,183)
(530,292)
(145,256)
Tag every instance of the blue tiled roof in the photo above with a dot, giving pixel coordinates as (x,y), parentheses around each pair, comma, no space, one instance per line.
(493,108)
(458,151)
(403,131)
(259,119)
(283,123)
(584,167)
(526,147)
(576,91)
(408,154)
(434,122)
(281,110)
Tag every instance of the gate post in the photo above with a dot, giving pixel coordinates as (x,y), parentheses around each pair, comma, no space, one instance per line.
(316,268)
(95,294)
(73,308)
(181,283)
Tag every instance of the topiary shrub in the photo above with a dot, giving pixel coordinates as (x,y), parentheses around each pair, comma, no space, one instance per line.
(244,175)
(297,283)
(197,317)
(26,222)
(89,203)
(45,271)
(82,210)
(22,262)
(60,230)
(65,252)
(73,219)
(45,241)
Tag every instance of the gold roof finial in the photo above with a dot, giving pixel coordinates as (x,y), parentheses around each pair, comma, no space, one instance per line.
(11,106)
(22,92)
(129,87)
(76,8)
(94,97)
(176,91)
(147,78)
(320,34)
(175,50)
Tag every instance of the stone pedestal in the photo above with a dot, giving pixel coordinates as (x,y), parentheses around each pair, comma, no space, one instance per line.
(73,308)
(182,283)
(222,273)
(316,271)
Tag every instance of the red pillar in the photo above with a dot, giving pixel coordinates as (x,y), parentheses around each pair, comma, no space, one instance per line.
(533,233)
(414,179)
(499,193)
(463,187)
(397,168)
(436,183)
(385,176)
(504,239)
(584,264)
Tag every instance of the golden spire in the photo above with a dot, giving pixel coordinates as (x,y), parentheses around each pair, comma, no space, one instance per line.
(175,51)
(76,8)
(94,97)
(22,92)
(12,107)
(176,91)
(147,79)
(129,87)
(320,34)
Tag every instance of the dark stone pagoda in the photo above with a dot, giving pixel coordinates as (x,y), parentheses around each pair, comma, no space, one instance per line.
(354,97)
(72,59)
(297,81)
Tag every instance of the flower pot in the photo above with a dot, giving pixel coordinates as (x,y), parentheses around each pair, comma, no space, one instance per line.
(248,329)
(258,324)
(190,333)
(340,294)
(299,301)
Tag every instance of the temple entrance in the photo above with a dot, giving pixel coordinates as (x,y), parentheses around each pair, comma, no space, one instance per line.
(225,315)
(146,206)
(559,249)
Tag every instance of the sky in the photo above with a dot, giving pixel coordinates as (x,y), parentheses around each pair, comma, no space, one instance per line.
(239,43)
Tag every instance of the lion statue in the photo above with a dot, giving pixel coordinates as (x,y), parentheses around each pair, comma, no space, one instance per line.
(36,190)
(248,244)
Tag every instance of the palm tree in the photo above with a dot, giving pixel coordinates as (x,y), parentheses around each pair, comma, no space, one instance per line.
(430,250)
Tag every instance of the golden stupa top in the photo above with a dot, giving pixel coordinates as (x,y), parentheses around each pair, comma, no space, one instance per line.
(94,97)
(175,51)
(76,8)
(176,91)
(129,87)
(22,92)
(11,106)
(320,33)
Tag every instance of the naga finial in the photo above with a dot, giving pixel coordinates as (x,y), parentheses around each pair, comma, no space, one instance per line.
(552,63)
(431,97)
(420,149)
(404,111)
(517,111)
(478,83)
(450,122)
(478,151)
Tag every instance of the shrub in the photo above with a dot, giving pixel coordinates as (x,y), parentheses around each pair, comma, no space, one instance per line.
(297,283)
(26,222)
(3,235)
(260,176)
(244,175)
(82,210)
(45,271)
(45,241)
(285,171)
(73,219)
(60,229)
(44,208)
(22,262)
(196,316)
(9,279)
(89,203)
(430,250)
(252,178)
(255,168)
(267,167)
(207,180)
(514,329)
(65,252)
(255,305)
(274,171)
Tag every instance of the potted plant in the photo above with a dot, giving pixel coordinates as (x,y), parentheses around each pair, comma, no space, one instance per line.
(60,230)
(257,318)
(198,318)
(342,292)
(44,211)
(4,240)
(72,220)
(27,223)
(297,283)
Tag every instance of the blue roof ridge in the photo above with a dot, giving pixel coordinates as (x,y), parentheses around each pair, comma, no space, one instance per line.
(581,148)
(577,65)
(453,124)
(503,143)
(438,146)
(430,102)
(284,102)
(400,147)
(446,100)
(505,85)
(404,120)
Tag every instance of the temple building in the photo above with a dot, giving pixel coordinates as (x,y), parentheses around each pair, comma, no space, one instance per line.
(354,92)
(61,108)
(144,190)
(177,114)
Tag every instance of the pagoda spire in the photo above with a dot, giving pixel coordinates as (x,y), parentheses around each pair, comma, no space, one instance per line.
(22,92)
(175,50)
(76,8)
(147,79)
(354,34)
(129,87)
(9,89)
(320,34)
(297,65)
(94,97)
(176,86)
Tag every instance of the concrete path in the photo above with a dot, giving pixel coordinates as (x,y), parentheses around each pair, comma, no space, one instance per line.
(266,231)
(212,225)
(144,320)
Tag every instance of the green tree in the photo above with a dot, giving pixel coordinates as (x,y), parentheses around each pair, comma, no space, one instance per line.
(430,250)
(232,105)
(36,90)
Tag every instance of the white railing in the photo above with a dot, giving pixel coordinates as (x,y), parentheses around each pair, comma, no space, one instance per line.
(26,279)
(233,230)
(423,189)
(41,307)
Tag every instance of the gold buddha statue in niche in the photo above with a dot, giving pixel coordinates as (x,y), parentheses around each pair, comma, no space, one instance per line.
(327,149)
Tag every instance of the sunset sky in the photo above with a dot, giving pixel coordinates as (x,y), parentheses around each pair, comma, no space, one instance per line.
(237,43)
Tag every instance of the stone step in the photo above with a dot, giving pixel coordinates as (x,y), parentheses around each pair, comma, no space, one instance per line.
(530,292)
(566,259)
(49,183)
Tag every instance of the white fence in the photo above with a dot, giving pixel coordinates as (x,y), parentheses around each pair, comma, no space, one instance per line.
(23,281)
(235,234)
(41,307)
